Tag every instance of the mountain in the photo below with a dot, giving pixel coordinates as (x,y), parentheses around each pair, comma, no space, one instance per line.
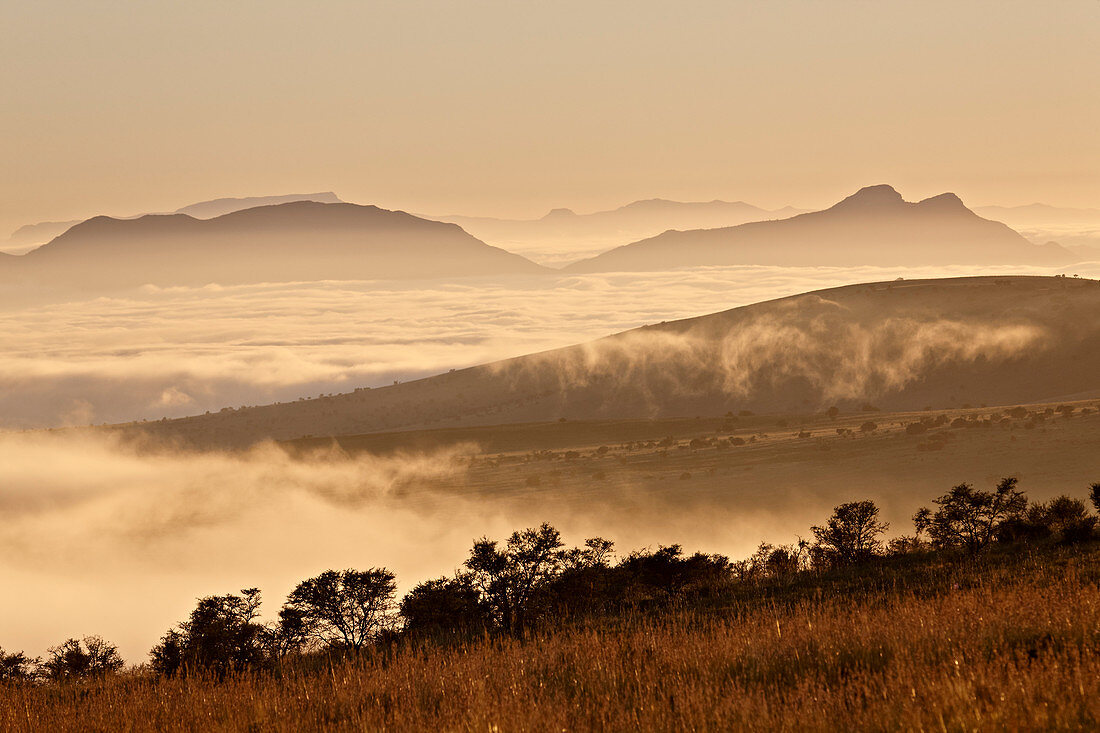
(288,242)
(221,207)
(562,233)
(30,235)
(900,345)
(1078,230)
(1038,215)
(874,226)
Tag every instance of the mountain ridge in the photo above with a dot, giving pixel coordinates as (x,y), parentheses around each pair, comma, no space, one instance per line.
(301,240)
(873,226)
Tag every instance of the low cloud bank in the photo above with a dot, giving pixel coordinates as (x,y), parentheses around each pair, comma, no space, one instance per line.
(101,538)
(182,351)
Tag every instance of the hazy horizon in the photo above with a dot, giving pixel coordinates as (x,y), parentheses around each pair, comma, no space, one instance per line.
(390,350)
(695,102)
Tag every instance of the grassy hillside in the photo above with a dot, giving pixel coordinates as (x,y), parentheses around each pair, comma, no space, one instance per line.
(1006,641)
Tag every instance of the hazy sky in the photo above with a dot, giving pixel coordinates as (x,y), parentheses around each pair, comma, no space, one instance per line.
(510,108)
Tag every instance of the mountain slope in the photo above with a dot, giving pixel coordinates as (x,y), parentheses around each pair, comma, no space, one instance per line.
(874,226)
(901,345)
(288,242)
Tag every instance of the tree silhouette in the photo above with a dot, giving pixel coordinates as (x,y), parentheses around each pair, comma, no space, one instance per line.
(349,608)
(445,606)
(509,577)
(16,667)
(969,519)
(221,636)
(75,658)
(851,535)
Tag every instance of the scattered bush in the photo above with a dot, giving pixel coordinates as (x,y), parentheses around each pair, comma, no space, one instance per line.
(80,658)
(850,536)
(968,518)
(349,608)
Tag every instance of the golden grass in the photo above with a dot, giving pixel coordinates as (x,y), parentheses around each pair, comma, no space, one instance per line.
(1009,645)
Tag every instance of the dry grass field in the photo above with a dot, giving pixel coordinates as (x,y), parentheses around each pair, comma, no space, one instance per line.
(1007,642)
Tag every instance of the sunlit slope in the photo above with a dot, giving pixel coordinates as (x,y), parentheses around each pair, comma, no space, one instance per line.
(289,242)
(900,345)
(874,226)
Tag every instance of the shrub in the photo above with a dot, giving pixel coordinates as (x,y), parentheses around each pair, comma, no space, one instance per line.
(445,606)
(79,658)
(220,636)
(347,608)
(850,536)
(16,667)
(969,518)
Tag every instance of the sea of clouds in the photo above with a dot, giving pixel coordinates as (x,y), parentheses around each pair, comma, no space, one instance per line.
(171,352)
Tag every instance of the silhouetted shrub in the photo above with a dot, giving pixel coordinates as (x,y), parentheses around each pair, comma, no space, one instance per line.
(646,578)
(969,518)
(1094,495)
(850,536)
(80,658)
(508,578)
(16,667)
(445,606)
(348,608)
(220,636)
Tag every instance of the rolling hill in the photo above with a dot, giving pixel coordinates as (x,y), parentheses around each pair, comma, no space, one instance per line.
(874,226)
(902,345)
(295,241)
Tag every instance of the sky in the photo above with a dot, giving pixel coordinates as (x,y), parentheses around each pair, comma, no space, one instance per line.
(510,109)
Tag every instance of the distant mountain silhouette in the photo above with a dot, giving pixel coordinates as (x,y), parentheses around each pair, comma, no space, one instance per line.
(287,242)
(221,207)
(1036,215)
(604,229)
(1077,230)
(902,345)
(874,226)
(32,234)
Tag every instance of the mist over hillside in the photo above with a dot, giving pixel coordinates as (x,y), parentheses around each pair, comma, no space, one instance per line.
(902,344)
(874,226)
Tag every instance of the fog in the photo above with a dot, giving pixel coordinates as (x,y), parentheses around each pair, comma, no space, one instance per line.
(171,352)
(100,538)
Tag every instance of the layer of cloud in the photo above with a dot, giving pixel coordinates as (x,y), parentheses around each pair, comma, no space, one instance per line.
(101,538)
(182,351)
